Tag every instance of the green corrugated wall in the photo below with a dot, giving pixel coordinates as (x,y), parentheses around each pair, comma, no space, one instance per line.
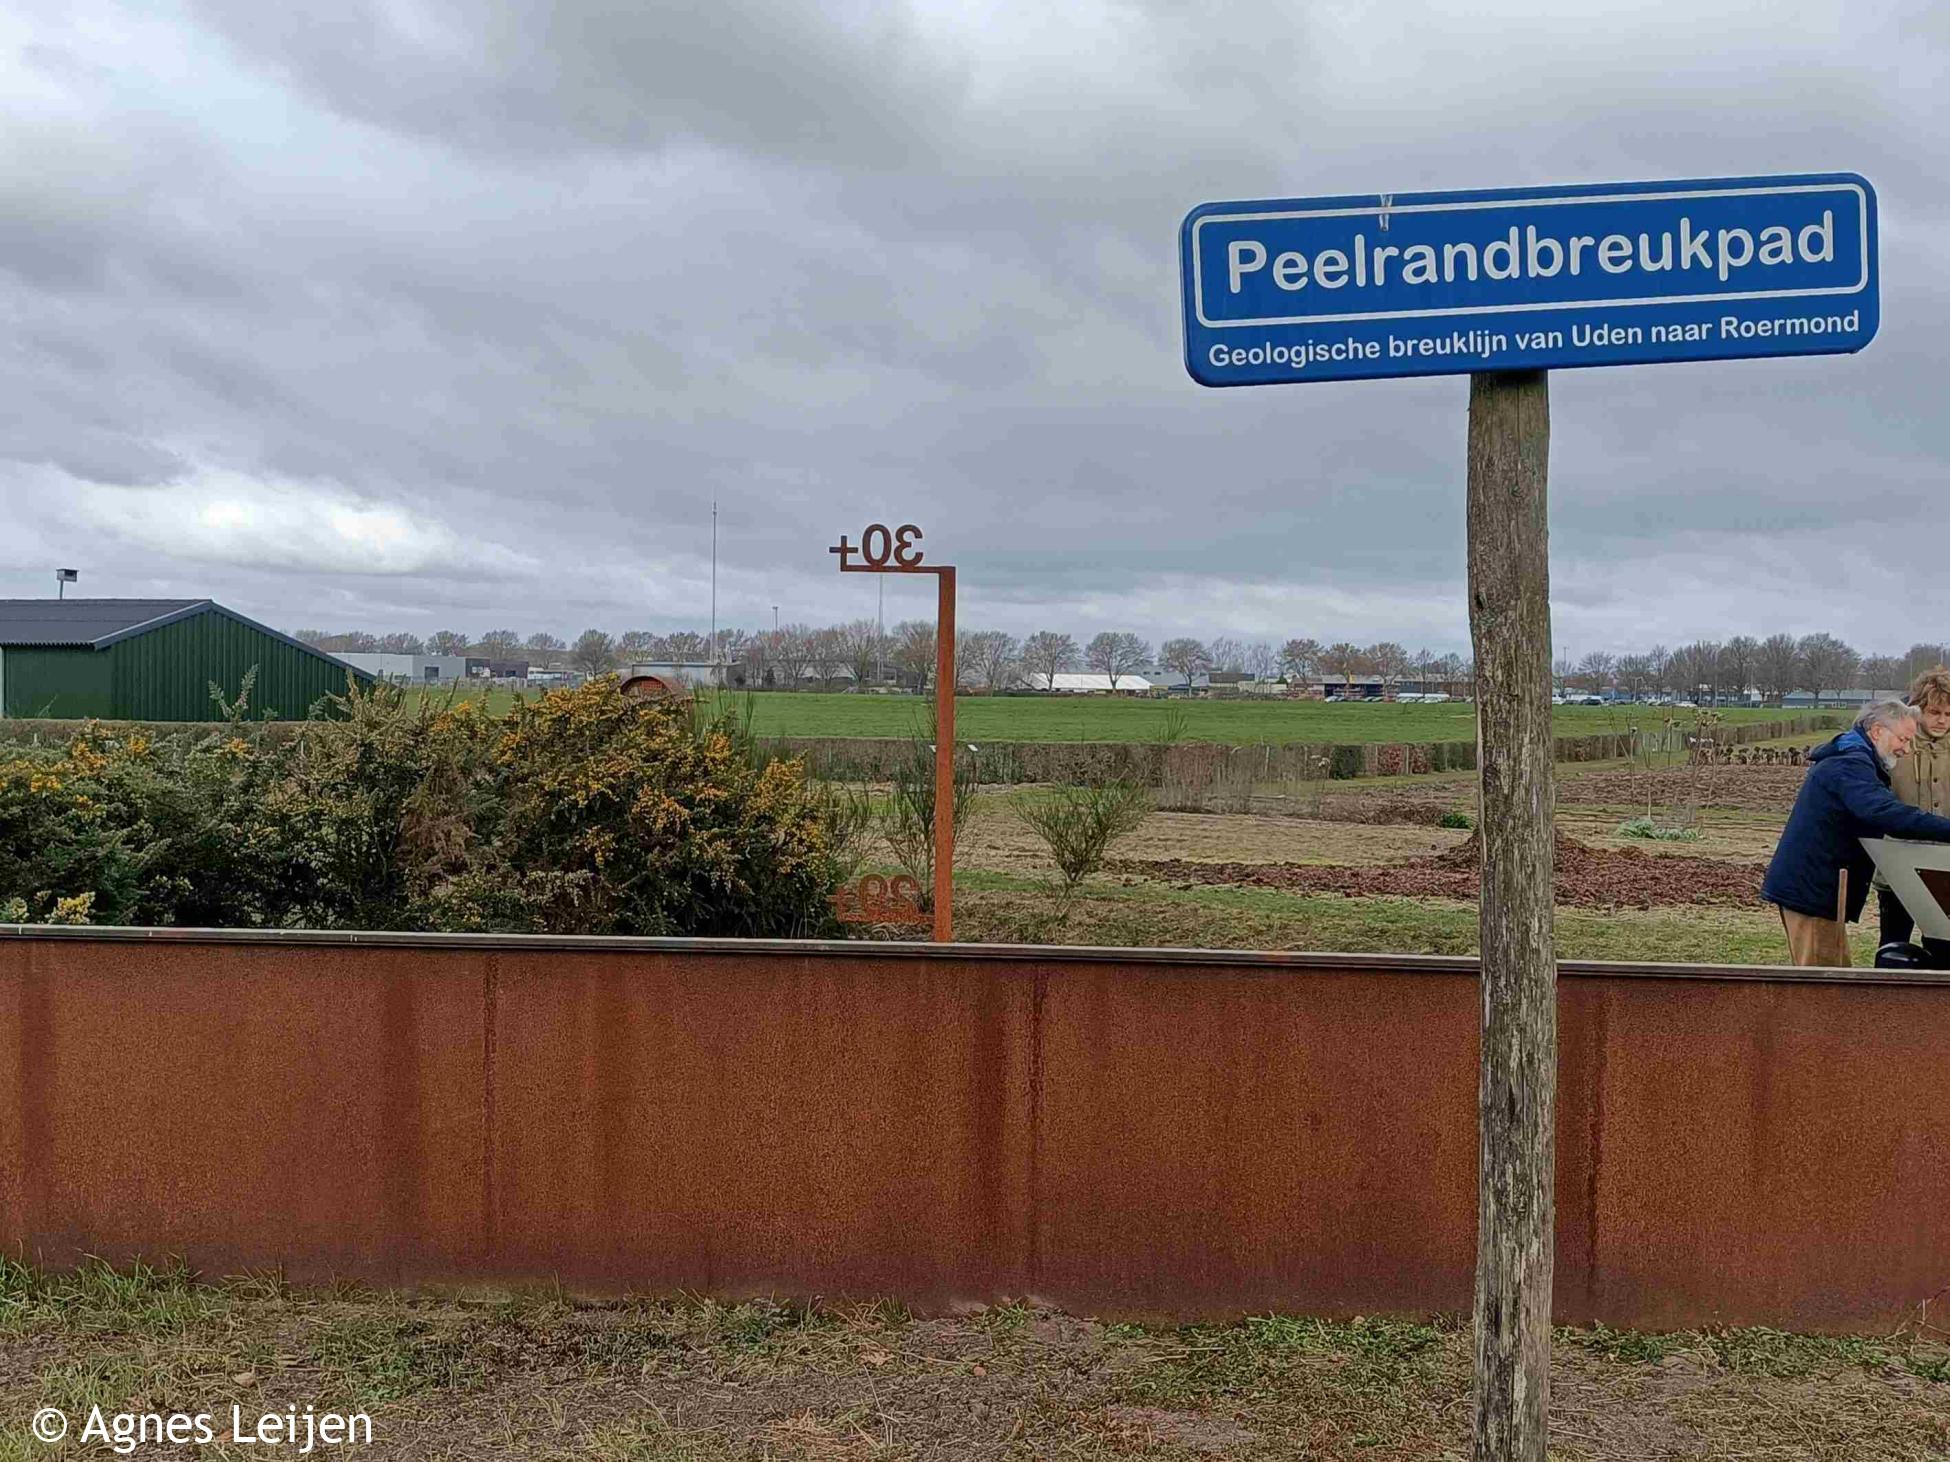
(63,683)
(165,675)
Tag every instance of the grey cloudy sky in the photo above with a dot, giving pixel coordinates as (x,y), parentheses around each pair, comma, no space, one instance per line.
(418,315)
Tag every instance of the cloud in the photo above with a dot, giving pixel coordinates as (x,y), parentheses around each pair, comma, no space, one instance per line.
(465,315)
(224,518)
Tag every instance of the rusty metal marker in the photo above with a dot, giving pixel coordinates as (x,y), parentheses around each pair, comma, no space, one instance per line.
(892,551)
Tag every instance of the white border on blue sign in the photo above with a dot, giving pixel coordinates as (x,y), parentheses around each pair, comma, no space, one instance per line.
(1479,204)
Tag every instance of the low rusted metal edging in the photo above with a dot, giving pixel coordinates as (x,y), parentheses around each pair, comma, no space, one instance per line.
(1320,960)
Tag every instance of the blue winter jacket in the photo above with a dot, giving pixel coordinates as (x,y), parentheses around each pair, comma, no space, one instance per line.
(1844,798)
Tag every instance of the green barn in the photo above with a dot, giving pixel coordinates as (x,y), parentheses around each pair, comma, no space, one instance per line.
(153,660)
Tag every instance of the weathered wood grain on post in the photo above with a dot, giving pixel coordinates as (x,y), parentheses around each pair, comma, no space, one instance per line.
(1509,621)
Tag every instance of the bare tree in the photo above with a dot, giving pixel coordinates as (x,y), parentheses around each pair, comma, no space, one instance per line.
(1658,665)
(731,645)
(1707,672)
(1187,657)
(595,652)
(1738,658)
(1828,663)
(1634,674)
(1048,654)
(792,652)
(828,654)
(1777,666)
(863,647)
(314,637)
(1262,660)
(914,652)
(1884,672)
(447,642)
(1301,658)
(687,644)
(1682,673)
(1345,660)
(1919,658)
(637,644)
(499,644)
(987,658)
(1226,654)
(754,659)
(545,651)
(1389,661)
(1595,670)
(1116,654)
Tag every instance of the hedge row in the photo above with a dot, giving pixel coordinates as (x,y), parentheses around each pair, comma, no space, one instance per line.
(1009,762)
(861,759)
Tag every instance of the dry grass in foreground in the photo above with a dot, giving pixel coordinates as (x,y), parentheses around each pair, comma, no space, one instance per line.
(693,1381)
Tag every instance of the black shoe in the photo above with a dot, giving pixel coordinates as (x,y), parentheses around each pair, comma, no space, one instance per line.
(1899,956)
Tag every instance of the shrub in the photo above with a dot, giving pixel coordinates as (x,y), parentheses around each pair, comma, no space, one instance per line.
(1645,827)
(164,832)
(584,812)
(608,815)
(1344,762)
(1454,818)
(908,821)
(375,809)
(1079,825)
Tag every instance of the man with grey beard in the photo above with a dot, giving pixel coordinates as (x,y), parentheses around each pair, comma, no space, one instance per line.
(1820,875)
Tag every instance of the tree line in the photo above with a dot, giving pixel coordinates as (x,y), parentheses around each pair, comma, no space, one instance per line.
(861,652)
(1714,669)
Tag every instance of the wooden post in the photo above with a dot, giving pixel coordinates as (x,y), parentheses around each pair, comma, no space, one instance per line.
(944,757)
(1509,622)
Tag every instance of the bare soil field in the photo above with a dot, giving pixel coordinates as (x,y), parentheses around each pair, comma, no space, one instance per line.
(1368,868)
(1757,789)
(1586,877)
(496,1376)
(997,839)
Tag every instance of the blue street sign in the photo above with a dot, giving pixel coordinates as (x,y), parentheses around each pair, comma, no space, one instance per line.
(1421,284)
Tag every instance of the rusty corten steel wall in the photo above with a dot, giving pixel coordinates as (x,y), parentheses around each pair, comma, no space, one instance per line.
(1128,1133)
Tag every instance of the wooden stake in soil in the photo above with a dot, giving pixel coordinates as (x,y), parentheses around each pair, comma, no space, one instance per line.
(1509,622)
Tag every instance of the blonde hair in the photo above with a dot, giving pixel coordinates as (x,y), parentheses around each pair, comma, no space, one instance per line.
(1931,688)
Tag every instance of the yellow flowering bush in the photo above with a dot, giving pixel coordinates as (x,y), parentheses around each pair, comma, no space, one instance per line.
(582,812)
(618,816)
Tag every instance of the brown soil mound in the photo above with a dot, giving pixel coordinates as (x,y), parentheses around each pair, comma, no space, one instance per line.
(1586,878)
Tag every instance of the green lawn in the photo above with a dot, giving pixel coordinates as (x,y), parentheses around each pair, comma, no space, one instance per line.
(1103,718)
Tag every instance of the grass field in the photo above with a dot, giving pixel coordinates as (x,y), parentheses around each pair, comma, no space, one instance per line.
(499,1375)
(1106,718)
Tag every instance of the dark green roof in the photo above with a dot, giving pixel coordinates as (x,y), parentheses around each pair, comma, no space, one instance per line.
(98,623)
(76,622)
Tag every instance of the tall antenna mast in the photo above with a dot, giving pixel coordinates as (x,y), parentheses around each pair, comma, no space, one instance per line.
(714,581)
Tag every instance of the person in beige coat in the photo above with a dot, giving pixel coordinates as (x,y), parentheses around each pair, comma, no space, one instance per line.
(1921,777)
